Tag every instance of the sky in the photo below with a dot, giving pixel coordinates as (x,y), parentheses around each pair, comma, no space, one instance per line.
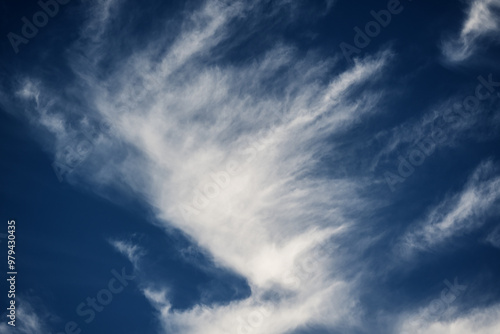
(216,166)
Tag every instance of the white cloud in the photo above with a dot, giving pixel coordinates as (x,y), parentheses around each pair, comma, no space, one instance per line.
(494,237)
(131,251)
(28,320)
(228,152)
(482,21)
(184,122)
(481,320)
(457,214)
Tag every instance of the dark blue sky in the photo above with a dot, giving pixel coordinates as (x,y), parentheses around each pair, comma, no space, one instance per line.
(208,149)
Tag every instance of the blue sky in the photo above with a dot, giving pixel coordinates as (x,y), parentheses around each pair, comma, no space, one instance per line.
(251,166)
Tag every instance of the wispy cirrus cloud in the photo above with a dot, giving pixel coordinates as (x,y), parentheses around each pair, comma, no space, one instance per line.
(480,320)
(230,153)
(30,319)
(493,237)
(131,251)
(458,213)
(182,119)
(481,24)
